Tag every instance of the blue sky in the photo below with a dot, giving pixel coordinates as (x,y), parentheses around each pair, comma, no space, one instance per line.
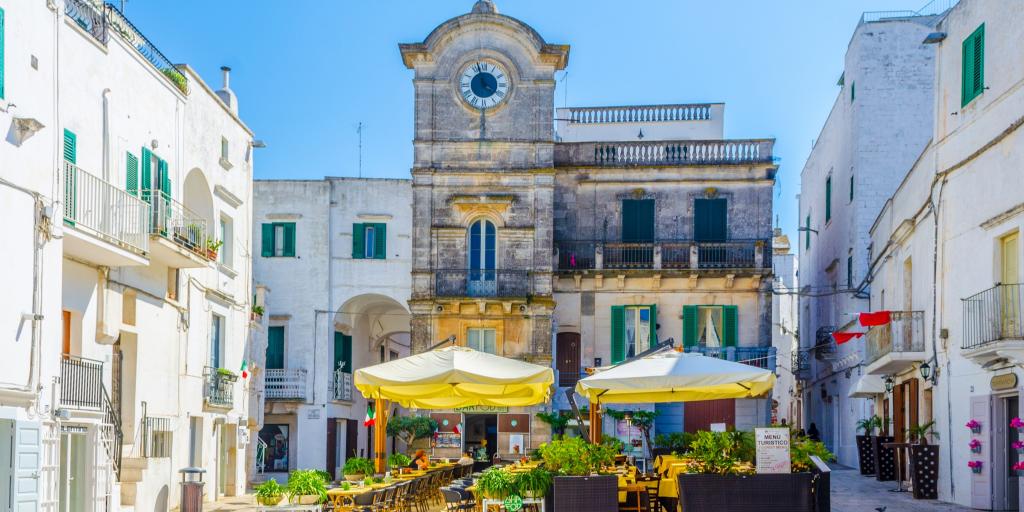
(306,72)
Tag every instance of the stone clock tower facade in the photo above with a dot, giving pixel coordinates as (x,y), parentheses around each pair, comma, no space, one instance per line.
(483,185)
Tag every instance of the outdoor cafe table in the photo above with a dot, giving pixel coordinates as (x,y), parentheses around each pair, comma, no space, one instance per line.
(338,496)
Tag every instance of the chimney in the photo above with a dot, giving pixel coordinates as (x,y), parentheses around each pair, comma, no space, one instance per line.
(225,93)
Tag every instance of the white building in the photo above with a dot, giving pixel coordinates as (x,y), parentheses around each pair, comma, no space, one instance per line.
(785,308)
(947,246)
(124,332)
(878,125)
(336,255)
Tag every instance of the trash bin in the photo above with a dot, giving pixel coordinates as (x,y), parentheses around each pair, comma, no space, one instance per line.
(192,489)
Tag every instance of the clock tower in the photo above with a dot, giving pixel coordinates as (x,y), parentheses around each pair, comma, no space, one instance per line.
(483,185)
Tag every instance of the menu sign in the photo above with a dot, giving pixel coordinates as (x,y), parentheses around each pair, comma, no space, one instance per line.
(772,450)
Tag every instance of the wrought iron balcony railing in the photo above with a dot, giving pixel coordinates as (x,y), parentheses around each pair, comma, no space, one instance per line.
(801,364)
(993,315)
(905,333)
(81,383)
(281,384)
(663,153)
(482,283)
(761,357)
(175,222)
(662,254)
(341,386)
(92,205)
(219,387)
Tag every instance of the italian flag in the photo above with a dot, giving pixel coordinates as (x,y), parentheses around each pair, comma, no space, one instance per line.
(371,416)
(245,369)
(458,428)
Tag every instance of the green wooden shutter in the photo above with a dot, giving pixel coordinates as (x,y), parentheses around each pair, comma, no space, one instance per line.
(853,91)
(342,352)
(70,146)
(358,246)
(289,239)
(828,199)
(851,187)
(710,220)
(638,220)
(267,244)
(690,334)
(275,348)
(146,182)
(131,171)
(1,53)
(653,340)
(972,80)
(380,242)
(807,233)
(618,334)
(730,325)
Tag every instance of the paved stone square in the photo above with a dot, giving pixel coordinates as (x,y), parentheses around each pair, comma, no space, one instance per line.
(852,492)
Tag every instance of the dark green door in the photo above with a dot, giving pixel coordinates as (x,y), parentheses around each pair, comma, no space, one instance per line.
(275,348)
(342,352)
(710,220)
(638,220)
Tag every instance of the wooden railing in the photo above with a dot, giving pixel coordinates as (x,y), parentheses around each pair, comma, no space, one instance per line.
(664,153)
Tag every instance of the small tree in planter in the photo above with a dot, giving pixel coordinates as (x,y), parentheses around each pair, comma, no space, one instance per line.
(411,428)
(269,493)
(865,450)
(924,461)
(577,487)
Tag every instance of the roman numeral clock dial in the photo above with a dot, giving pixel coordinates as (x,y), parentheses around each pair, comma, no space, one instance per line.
(483,85)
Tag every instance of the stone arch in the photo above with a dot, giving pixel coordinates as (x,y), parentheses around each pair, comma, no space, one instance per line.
(198,197)
(373,319)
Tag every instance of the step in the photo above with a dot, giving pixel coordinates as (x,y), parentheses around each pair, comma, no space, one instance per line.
(128,494)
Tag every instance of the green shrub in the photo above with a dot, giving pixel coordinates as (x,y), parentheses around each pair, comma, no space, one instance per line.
(269,489)
(307,482)
(498,484)
(576,457)
(398,460)
(800,451)
(535,482)
(676,442)
(717,453)
(357,466)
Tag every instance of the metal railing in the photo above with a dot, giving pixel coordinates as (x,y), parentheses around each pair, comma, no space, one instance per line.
(824,345)
(175,222)
(115,447)
(81,383)
(89,16)
(993,315)
(218,387)
(92,205)
(692,152)
(639,114)
(932,8)
(761,357)
(341,386)
(482,283)
(662,254)
(260,460)
(281,384)
(800,364)
(904,333)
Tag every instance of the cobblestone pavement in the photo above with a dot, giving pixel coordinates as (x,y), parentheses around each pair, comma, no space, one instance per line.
(852,492)
(237,503)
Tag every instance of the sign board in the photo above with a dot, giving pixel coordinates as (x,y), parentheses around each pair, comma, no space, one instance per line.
(718,427)
(1004,381)
(482,409)
(313,414)
(772,450)
(515,444)
(448,440)
(243,436)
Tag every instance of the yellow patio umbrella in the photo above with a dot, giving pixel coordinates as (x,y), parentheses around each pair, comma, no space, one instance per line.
(448,378)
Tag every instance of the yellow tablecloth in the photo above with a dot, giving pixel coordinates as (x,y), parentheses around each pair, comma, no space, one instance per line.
(667,488)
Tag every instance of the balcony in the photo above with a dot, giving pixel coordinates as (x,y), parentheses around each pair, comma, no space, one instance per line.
(482,283)
(104,224)
(281,384)
(994,324)
(578,255)
(664,153)
(896,346)
(81,383)
(178,234)
(761,357)
(639,114)
(341,386)
(219,387)
(801,364)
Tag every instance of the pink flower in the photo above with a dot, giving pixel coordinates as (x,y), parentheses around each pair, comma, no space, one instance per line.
(974,464)
(1018,466)
(1017,445)
(1016,423)
(976,444)
(973,424)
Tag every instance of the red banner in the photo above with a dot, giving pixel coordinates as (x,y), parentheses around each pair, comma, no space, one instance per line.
(875,318)
(843,337)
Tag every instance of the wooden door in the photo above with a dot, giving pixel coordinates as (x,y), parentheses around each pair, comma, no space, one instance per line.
(899,413)
(1009,276)
(913,403)
(351,438)
(66,340)
(568,352)
(700,415)
(332,446)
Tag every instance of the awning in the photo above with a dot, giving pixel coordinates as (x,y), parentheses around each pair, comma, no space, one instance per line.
(867,386)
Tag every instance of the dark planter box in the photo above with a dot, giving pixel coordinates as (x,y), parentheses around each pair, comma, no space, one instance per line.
(753,493)
(866,454)
(924,471)
(585,494)
(885,458)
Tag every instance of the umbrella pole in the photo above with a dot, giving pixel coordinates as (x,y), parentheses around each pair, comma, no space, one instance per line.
(380,436)
(595,422)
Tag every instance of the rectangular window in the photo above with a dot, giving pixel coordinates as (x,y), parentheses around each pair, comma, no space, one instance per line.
(849,272)
(634,330)
(484,340)
(853,91)
(224,149)
(342,352)
(278,240)
(275,347)
(172,284)
(225,256)
(392,355)
(369,241)
(851,187)
(973,66)
(807,232)
(638,220)
(828,199)
(216,341)
(710,220)
(710,326)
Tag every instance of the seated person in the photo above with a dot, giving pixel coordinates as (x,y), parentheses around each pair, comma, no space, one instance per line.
(420,460)
(466,459)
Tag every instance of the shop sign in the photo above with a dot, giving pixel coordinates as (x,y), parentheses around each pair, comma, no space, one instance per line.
(482,409)
(772,450)
(1004,381)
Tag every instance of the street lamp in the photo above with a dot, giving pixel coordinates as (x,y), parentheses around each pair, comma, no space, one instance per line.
(926,370)
(888,384)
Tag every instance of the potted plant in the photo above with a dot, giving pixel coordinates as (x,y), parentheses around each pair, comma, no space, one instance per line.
(257,313)
(885,458)
(398,461)
(357,468)
(497,484)
(534,483)
(865,450)
(922,432)
(557,420)
(577,486)
(212,246)
(924,460)
(975,446)
(307,487)
(269,493)
(974,425)
(1017,424)
(975,466)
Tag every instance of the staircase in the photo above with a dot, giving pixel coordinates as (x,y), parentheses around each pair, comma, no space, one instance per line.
(132,470)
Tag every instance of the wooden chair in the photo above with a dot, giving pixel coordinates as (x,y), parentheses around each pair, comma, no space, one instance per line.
(636,499)
(652,485)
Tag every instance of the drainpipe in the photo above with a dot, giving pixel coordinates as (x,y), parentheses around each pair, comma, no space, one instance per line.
(106,135)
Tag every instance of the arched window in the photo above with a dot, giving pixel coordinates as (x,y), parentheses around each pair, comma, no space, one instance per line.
(482,253)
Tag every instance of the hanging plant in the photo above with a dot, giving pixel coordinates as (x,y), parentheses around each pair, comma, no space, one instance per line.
(975,466)
(1017,424)
(975,446)
(974,425)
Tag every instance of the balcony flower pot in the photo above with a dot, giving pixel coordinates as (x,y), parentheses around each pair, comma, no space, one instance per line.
(585,494)
(885,459)
(976,466)
(924,471)
(794,492)
(975,426)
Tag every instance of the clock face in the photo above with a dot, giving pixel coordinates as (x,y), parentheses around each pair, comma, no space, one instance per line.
(483,85)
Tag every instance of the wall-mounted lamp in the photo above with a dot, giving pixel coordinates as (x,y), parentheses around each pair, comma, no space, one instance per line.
(888,383)
(259,144)
(934,38)
(25,128)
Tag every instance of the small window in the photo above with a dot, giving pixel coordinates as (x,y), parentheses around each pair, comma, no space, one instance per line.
(225,255)
(217,341)
(828,199)
(849,272)
(807,232)
(484,340)
(172,284)
(371,242)
(851,187)
(853,91)
(392,355)
(224,148)
(278,240)
(973,66)
(638,330)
